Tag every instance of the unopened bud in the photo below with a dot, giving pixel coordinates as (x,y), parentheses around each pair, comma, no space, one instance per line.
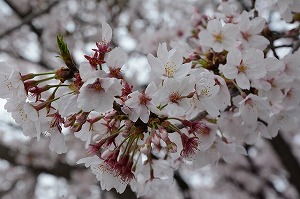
(155,139)
(163,134)
(64,74)
(81,118)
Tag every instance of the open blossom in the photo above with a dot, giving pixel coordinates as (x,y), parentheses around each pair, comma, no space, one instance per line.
(229,151)
(206,90)
(249,107)
(189,146)
(244,67)
(292,96)
(284,120)
(222,98)
(250,30)
(67,104)
(86,132)
(230,126)
(227,12)
(114,171)
(217,37)
(27,116)
(146,184)
(168,64)
(11,83)
(274,68)
(107,180)
(173,95)
(291,65)
(142,103)
(99,93)
(206,157)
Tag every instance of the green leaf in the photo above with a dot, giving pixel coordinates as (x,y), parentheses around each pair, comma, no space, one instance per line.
(65,54)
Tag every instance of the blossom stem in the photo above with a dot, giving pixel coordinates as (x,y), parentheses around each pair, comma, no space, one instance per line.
(32,75)
(46,79)
(135,163)
(175,128)
(239,89)
(58,85)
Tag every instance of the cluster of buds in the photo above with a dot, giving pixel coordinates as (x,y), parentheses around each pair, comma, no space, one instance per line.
(193,110)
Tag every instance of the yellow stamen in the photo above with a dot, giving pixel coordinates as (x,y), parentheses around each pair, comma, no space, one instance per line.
(218,37)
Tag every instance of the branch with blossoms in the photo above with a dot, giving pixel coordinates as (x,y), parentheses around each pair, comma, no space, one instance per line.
(199,107)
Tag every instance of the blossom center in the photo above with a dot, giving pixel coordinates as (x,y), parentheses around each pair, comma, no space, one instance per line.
(218,37)
(190,146)
(245,35)
(102,46)
(23,115)
(170,69)
(144,99)
(203,129)
(242,69)
(9,86)
(115,72)
(205,92)
(97,86)
(175,97)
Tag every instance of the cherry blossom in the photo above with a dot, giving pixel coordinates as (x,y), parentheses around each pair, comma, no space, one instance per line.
(100,92)
(218,37)
(249,107)
(206,90)
(27,116)
(142,103)
(244,67)
(12,87)
(168,64)
(221,86)
(175,96)
(285,120)
(249,32)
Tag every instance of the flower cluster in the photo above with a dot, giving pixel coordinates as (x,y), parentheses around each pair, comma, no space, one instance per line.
(197,108)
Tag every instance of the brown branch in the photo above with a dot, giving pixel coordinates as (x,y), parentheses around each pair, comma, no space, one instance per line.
(128,194)
(288,159)
(242,187)
(59,169)
(244,5)
(27,19)
(255,170)
(184,187)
